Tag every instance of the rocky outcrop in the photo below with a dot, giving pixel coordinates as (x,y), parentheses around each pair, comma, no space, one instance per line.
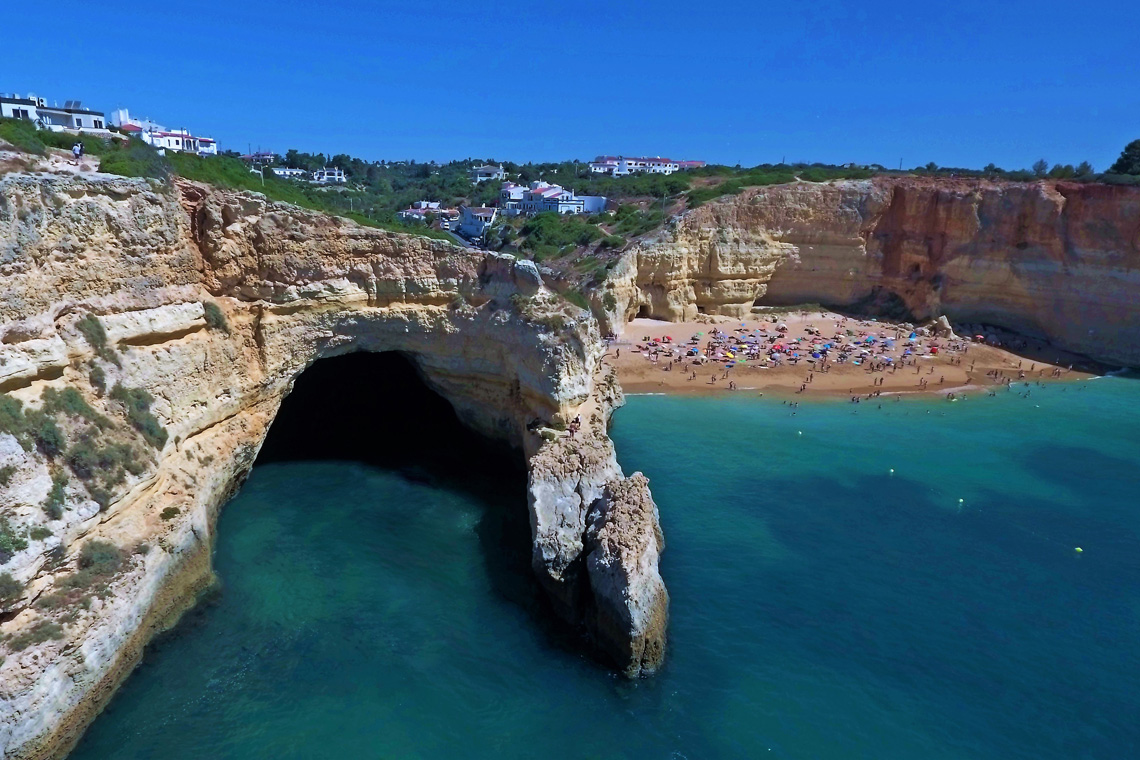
(1052,260)
(177,320)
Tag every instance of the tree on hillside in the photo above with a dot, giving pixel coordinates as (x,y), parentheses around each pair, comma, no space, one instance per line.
(1040,167)
(1129,161)
(1085,169)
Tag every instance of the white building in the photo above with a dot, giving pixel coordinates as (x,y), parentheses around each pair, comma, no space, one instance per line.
(155,134)
(542,196)
(620,166)
(510,198)
(486,172)
(72,116)
(287,173)
(121,118)
(329,176)
(179,141)
(475,220)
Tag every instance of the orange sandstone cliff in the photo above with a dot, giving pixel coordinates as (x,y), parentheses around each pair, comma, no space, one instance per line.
(1053,260)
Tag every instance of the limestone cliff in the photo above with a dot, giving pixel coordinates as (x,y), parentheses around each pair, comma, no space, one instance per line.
(1055,260)
(148,335)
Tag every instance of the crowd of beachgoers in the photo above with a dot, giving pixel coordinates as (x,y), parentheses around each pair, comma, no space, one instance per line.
(817,351)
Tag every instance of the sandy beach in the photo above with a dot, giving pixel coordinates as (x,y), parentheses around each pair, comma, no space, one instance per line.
(821,353)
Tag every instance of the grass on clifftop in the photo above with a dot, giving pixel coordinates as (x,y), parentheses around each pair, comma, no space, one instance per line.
(224,171)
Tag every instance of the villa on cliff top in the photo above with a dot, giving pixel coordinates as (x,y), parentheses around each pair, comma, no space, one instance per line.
(543,196)
(619,166)
(163,139)
(71,117)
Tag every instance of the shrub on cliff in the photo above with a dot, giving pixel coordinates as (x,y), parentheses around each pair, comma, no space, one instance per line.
(96,337)
(100,558)
(6,473)
(10,588)
(98,379)
(215,317)
(69,401)
(44,431)
(134,158)
(11,540)
(137,402)
(23,135)
(56,497)
(44,630)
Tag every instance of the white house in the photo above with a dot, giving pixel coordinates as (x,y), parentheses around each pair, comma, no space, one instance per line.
(620,166)
(510,198)
(475,220)
(72,116)
(122,119)
(329,176)
(486,172)
(542,196)
(413,215)
(153,133)
(286,172)
(179,141)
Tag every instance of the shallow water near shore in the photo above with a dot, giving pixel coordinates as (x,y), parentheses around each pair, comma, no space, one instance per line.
(822,606)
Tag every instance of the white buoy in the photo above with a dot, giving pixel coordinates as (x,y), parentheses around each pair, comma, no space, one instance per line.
(800,432)
(892,470)
(960,501)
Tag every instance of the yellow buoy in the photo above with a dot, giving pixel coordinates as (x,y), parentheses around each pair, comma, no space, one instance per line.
(1078,550)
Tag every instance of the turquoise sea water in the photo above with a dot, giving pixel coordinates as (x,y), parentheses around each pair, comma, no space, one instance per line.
(822,607)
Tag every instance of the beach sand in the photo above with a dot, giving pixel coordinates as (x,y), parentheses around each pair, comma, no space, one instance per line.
(947,371)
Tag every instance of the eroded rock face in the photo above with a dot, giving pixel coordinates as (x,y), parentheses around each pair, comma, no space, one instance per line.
(213,303)
(1053,260)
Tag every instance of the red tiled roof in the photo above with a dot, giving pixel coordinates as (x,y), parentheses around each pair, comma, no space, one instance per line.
(130,128)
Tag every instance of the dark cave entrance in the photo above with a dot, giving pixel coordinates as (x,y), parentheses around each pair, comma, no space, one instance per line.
(643,312)
(374,408)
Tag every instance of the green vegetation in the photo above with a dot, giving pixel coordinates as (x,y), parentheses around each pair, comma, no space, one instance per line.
(96,337)
(609,301)
(23,135)
(70,402)
(129,158)
(134,158)
(363,205)
(39,533)
(10,588)
(577,299)
(215,317)
(11,540)
(56,497)
(137,402)
(6,473)
(1126,169)
(42,631)
(98,563)
(169,513)
(98,379)
(549,234)
(31,428)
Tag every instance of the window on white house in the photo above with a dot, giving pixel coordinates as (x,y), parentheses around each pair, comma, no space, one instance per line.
(98,124)
(78,121)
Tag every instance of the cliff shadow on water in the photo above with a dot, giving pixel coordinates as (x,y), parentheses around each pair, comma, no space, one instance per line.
(374,408)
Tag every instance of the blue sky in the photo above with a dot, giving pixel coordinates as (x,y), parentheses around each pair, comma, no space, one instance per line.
(961,83)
